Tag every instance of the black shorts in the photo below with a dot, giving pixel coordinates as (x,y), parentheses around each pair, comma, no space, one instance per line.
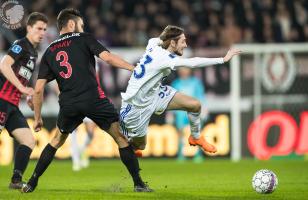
(10,117)
(100,111)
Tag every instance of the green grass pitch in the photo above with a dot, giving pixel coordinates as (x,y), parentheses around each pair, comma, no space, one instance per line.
(212,179)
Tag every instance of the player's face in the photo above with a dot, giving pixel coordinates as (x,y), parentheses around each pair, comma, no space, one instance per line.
(37,31)
(79,25)
(180,45)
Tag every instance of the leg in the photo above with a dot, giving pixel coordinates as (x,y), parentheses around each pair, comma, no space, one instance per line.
(26,144)
(139,142)
(128,158)
(106,117)
(180,155)
(75,152)
(45,159)
(181,101)
(16,124)
(198,157)
(114,132)
(90,126)
(193,107)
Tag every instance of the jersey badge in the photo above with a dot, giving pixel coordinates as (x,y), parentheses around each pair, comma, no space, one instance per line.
(16,49)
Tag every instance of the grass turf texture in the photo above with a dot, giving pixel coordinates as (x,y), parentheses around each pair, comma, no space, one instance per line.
(212,179)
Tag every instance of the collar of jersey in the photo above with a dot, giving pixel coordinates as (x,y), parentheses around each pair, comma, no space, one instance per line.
(66,34)
(28,41)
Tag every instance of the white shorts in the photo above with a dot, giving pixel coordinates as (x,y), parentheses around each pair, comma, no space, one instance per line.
(134,121)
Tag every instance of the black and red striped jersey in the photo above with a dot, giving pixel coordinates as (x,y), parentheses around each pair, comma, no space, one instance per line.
(25,56)
(71,61)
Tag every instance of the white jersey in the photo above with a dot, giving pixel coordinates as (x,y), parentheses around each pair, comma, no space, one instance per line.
(153,67)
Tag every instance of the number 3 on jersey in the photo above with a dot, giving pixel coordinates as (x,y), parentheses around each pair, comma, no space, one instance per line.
(137,75)
(64,63)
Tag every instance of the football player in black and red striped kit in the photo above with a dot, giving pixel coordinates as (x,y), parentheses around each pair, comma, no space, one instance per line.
(71,61)
(16,71)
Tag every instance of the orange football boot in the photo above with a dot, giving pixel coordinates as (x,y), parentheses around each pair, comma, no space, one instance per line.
(138,153)
(207,147)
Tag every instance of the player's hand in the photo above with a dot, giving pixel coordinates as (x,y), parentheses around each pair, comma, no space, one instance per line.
(37,125)
(30,102)
(27,91)
(231,53)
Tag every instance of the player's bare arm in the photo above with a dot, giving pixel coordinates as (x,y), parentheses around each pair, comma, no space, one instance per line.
(202,62)
(37,103)
(6,69)
(115,60)
(29,99)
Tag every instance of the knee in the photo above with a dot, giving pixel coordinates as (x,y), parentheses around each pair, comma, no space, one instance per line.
(120,140)
(30,142)
(141,146)
(57,142)
(195,106)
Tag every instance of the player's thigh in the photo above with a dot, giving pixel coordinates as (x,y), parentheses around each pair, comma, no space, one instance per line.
(24,136)
(134,121)
(181,101)
(69,118)
(106,117)
(4,113)
(103,113)
(165,95)
(18,127)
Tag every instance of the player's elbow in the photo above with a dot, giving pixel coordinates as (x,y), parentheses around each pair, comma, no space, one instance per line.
(5,62)
(2,65)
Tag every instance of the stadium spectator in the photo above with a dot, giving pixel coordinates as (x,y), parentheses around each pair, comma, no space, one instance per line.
(132,23)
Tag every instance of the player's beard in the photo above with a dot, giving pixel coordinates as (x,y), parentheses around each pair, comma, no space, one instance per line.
(177,52)
(76,29)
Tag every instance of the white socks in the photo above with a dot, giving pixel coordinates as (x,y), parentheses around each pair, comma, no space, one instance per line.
(75,148)
(195,124)
(86,143)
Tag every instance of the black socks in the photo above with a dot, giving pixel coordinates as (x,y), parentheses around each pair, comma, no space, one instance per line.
(45,159)
(130,160)
(22,157)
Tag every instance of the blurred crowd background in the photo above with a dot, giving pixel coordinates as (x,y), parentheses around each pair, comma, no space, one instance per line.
(207,22)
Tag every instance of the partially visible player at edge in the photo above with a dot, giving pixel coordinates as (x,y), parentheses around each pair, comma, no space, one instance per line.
(145,94)
(16,70)
(70,60)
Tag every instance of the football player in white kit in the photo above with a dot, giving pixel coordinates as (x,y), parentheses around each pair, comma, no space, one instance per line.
(146,95)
